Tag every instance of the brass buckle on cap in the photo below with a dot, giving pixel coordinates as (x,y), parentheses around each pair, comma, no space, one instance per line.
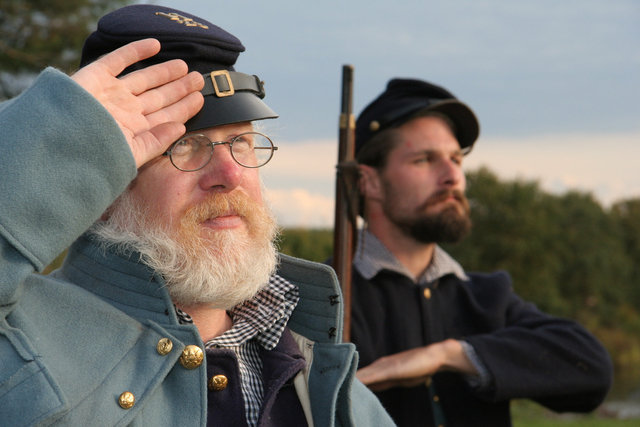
(222,93)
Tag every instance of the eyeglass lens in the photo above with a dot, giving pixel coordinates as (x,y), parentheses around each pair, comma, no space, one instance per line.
(193,152)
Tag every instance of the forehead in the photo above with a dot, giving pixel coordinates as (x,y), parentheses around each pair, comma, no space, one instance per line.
(427,133)
(224,132)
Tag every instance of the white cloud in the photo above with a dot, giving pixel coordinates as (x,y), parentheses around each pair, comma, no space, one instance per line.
(300,208)
(306,164)
(605,165)
(300,183)
(301,178)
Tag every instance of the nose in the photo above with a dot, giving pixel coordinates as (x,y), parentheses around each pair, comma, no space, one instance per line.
(222,173)
(451,173)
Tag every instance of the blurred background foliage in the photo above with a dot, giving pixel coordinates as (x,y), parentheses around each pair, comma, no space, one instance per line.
(566,253)
(35,34)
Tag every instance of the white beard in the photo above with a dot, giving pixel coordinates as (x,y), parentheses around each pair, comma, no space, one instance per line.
(222,270)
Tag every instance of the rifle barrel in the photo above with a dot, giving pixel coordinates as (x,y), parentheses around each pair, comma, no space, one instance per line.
(344,224)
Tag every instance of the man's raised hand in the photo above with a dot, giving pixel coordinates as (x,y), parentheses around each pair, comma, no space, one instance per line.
(150,105)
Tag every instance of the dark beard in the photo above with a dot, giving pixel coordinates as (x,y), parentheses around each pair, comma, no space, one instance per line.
(447,226)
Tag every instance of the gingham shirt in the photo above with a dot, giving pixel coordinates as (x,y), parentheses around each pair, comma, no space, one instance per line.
(259,321)
(372,256)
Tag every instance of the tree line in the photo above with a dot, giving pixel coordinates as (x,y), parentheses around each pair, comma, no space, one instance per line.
(566,253)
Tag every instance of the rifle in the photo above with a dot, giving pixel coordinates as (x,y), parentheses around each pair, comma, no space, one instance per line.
(346,198)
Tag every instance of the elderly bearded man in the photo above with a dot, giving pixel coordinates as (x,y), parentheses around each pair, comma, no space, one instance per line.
(174,308)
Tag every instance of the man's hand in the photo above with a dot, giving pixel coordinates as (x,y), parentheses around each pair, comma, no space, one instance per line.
(412,367)
(150,105)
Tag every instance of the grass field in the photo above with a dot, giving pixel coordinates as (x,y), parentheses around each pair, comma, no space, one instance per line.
(529,414)
(582,422)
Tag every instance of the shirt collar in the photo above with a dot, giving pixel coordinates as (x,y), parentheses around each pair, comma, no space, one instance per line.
(372,256)
(263,317)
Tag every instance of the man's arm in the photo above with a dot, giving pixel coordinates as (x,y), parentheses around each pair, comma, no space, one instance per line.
(412,367)
(551,360)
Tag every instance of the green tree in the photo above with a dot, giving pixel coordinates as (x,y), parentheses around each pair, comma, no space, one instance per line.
(595,262)
(511,232)
(35,34)
(312,244)
(626,215)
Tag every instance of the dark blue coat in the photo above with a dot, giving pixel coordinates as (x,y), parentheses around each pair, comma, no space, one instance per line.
(528,353)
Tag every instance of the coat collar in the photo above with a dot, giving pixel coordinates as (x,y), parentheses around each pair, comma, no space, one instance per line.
(123,281)
(127,283)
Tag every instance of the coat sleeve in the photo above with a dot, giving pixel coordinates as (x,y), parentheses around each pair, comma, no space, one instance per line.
(63,161)
(551,360)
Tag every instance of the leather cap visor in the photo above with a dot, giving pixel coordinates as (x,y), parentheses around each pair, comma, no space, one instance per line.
(465,121)
(230,97)
(241,107)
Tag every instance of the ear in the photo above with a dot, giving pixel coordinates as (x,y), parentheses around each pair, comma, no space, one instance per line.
(369,183)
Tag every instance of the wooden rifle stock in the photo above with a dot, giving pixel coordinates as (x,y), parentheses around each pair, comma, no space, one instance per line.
(346,198)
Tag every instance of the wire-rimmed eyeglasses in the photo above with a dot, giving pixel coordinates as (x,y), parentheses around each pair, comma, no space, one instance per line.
(193,152)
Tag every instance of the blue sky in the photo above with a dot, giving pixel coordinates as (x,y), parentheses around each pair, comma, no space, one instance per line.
(555,84)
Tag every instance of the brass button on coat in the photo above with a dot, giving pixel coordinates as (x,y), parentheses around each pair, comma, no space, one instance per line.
(192,357)
(218,383)
(427,293)
(164,346)
(126,400)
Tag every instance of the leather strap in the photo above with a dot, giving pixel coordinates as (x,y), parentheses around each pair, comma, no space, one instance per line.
(223,83)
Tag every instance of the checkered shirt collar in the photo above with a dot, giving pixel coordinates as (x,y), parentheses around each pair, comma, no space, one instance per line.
(372,256)
(263,317)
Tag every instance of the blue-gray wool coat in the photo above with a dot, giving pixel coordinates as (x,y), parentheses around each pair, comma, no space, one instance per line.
(73,342)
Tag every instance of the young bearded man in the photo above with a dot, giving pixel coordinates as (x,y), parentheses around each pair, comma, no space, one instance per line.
(439,345)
